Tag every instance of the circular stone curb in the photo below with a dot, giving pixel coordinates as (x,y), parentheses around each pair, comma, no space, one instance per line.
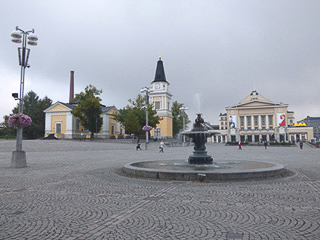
(272,170)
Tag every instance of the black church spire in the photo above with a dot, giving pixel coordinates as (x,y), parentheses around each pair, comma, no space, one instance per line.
(160,76)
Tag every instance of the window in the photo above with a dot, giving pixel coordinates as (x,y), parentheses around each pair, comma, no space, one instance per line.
(256,123)
(270,121)
(241,122)
(249,121)
(58,128)
(263,120)
(157,132)
(157,105)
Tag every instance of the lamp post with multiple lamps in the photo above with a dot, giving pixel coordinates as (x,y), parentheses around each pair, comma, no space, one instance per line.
(25,37)
(146,91)
(183,109)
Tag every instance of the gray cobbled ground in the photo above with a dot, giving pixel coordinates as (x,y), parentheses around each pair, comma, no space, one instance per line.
(75,190)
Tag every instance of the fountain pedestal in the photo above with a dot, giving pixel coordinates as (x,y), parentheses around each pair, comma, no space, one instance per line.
(199,135)
(200,157)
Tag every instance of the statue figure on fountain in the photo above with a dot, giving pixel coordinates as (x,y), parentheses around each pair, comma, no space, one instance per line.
(199,124)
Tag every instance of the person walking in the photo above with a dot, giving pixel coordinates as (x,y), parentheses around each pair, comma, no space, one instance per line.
(265,144)
(240,145)
(161,147)
(301,144)
(138,147)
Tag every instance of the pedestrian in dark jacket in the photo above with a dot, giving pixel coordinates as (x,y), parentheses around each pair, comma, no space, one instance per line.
(138,145)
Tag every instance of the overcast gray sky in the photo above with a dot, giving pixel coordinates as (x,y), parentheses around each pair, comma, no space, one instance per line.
(214,52)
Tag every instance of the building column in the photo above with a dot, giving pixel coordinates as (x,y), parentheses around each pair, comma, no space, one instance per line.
(277,135)
(252,121)
(48,129)
(253,138)
(118,128)
(259,122)
(268,138)
(245,122)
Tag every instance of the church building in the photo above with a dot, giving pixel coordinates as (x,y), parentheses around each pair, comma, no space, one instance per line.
(160,97)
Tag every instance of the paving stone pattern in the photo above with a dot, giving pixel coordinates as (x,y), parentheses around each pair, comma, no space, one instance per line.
(75,190)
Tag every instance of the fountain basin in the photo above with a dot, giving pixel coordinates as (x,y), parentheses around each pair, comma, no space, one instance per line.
(220,170)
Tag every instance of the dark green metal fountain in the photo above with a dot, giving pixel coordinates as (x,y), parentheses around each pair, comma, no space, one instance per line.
(199,135)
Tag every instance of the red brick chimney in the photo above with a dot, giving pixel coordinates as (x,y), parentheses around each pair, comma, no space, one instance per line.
(71,94)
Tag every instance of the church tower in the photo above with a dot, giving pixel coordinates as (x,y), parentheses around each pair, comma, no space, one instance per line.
(160,97)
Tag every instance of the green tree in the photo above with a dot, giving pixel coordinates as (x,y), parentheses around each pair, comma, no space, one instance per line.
(33,106)
(88,109)
(177,118)
(5,130)
(133,116)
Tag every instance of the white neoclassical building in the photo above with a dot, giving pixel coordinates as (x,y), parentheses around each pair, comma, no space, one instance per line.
(256,119)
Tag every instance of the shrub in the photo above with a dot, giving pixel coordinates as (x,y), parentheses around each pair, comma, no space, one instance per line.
(120,137)
(236,143)
(142,136)
(112,137)
(281,144)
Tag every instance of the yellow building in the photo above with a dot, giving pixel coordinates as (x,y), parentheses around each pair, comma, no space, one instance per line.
(60,122)
(257,119)
(160,97)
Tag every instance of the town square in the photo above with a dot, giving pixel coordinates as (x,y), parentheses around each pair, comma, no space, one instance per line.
(77,190)
(159,119)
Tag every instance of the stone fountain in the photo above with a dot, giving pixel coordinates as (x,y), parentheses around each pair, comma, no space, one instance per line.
(200,165)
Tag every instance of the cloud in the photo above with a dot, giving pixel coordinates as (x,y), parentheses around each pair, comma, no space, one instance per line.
(217,49)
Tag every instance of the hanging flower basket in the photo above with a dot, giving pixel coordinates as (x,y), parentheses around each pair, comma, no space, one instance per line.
(19,120)
(146,128)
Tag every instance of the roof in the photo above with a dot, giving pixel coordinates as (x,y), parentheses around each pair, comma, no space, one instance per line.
(107,108)
(73,105)
(310,119)
(256,100)
(160,75)
(214,127)
(70,106)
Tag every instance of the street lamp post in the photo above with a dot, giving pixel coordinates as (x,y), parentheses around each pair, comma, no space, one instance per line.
(147,91)
(183,109)
(25,37)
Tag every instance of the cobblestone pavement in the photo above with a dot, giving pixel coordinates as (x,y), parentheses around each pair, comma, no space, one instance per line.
(74,190)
